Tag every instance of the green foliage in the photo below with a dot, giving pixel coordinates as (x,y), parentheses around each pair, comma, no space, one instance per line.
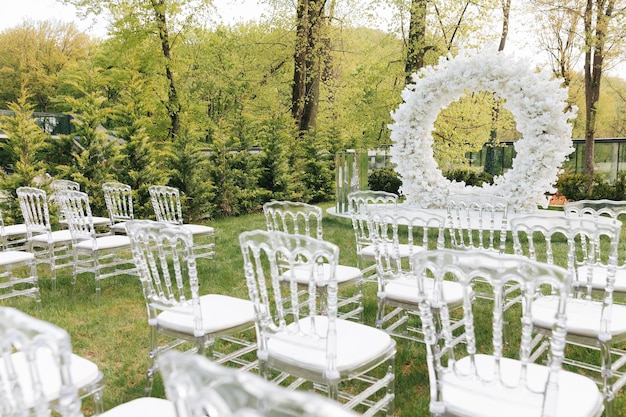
(189,166)
(275,176)
(585,187)
(384,179)
(95,152)
(33,55)
(23,151)
(469,176)
(312,169)
(143,159)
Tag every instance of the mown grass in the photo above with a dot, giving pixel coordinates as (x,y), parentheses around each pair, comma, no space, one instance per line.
(114,334)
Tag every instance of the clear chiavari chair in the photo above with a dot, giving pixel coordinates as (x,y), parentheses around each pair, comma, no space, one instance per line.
(347,360)
(493,378)
(306,219)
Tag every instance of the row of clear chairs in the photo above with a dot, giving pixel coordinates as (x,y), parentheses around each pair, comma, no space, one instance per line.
(590,255)
(83,245)
(40,376)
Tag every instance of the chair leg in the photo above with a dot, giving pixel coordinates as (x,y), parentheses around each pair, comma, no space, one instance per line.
(391,389)
(98,403)
(607,378)
(152,354)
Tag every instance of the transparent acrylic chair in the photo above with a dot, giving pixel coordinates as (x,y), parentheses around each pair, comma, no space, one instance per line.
(68,185)
(119,200)
(18,275)
(477,221)
(218,326)
(13,236)
(588,247)
(167,208)
(200,387)
(481,222)
(47,377)
(344,359)
(306,219)
(359,202)
(398,234)
(62,185)
(50,247)
(604,208)
(39,372)
(494,379)
(104,256)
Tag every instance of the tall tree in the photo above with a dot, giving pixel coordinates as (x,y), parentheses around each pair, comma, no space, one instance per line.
(600,25)
(311,52)
(416,45)
(24,148)
(490,154)
(33,55)
(138,20)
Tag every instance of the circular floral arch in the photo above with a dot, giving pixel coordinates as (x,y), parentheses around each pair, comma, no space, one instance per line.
(536,102)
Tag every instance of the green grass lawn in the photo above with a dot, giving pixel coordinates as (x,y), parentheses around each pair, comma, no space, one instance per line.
(114,334)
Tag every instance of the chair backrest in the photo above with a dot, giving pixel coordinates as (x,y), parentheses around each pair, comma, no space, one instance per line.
(200,387)
(477,221)
(484,362)
(271,289)
(293,217)
(34,207)
(587,246)
(25,344)
(359,202)
(599,208)
(62,185)
(401,232)
(163,254)
(611,208)
(166,203)
(119,200)
(77,211)
(3,236)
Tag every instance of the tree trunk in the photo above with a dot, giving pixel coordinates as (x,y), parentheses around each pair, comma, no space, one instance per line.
(594,59)
(416,43)
(490,151)
(308,59)
(173,102)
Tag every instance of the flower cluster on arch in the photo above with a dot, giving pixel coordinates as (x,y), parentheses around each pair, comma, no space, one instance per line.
(537,102)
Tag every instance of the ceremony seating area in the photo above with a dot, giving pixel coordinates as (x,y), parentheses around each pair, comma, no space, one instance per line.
(267,301)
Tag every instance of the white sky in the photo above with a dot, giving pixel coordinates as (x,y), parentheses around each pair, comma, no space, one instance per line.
(14,12)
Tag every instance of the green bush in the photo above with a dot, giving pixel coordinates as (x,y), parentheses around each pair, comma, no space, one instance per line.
(576,187)
(384,179)
(469,177)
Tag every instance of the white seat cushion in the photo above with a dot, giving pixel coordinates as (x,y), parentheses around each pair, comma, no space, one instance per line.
(198,229)
(58,236)
(405,290)
(219,312)
(144,406)
(599,278)
(104,242)
(343,273)
(82,371)
(577,396)
(8,257)
(357,344)
(15,230)
(119,227)
(404,249)
(583,317)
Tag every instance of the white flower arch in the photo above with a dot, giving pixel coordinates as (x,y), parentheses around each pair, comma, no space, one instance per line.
(536,102)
